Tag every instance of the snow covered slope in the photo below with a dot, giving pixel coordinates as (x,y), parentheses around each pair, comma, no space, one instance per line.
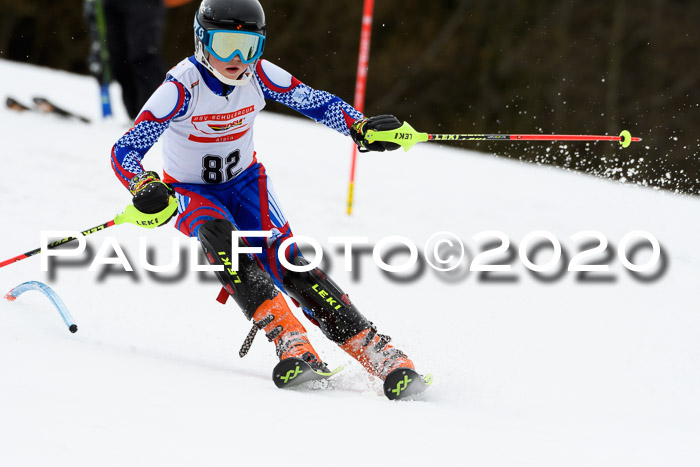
(560,371)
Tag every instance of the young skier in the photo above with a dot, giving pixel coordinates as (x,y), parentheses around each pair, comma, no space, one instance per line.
(205,112)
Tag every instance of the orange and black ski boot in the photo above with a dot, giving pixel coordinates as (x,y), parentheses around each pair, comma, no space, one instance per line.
(327,306)
(254,291)
(330,308)
(299,361)
(387,363)
(375,353)
(285,330)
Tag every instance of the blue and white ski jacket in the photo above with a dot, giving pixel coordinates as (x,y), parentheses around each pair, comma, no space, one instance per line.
(207,126)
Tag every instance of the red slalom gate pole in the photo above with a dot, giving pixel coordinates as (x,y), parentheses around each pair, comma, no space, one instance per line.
(361,85)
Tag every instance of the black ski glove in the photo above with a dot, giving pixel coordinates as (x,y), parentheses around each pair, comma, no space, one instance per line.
(358,130)
(151,196)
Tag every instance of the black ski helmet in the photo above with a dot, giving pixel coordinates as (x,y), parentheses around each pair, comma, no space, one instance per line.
(233,15)
(245,15)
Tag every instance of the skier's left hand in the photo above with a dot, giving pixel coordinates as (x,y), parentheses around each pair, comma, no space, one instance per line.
(358,130)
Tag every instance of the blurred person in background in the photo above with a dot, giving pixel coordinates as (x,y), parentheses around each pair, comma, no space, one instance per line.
(134,38)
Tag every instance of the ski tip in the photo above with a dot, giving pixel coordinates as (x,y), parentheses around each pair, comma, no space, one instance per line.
(294,371)
(403,383)
(331,373)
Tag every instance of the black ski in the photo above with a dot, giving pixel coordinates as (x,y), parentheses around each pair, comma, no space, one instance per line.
(295,371)
(403,383)
(46,106)
(43,105)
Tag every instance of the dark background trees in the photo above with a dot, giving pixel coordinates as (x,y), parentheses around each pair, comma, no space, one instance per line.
(480,66)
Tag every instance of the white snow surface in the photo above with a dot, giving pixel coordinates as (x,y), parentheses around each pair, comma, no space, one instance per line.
(527,372)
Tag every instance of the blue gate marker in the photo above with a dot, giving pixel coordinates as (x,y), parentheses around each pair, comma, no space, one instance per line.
(50,294)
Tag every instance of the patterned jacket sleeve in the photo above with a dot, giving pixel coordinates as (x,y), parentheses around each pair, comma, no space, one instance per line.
(169,101)
(280,86)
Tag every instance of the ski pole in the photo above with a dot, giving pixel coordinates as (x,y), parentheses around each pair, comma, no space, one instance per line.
(56,243)
(407,137)
(130,215)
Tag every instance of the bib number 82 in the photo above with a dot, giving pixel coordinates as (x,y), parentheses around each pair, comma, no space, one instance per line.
(216,169)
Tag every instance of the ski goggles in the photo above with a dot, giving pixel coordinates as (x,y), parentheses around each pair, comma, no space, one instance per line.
(225,44)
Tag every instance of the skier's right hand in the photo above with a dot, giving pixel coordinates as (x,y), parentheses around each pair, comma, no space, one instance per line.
(150,195)
(359,128)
